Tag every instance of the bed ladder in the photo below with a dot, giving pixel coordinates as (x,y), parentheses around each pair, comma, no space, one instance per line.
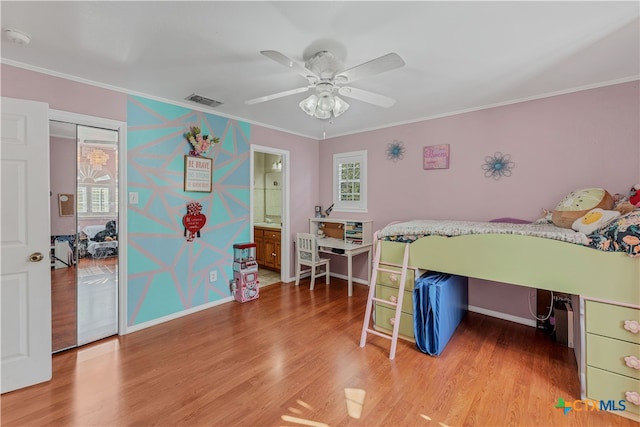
(367,327)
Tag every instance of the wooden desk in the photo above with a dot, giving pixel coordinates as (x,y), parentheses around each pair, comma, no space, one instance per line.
(350,250)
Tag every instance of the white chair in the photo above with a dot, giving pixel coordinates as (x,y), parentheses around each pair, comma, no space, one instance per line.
(307,255)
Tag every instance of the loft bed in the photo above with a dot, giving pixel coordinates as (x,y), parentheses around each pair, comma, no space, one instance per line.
(532,255)
(602,268)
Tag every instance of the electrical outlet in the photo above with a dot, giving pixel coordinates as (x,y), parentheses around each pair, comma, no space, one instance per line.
(213,276)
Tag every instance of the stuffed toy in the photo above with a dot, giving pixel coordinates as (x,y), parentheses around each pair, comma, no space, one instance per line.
(634,198)
(594,219)
(624,208)
(578,203)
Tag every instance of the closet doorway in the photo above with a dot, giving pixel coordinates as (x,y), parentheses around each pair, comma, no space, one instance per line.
(84,233)
(270,212)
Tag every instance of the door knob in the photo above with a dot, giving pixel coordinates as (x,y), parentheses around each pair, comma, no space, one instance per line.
(36,257)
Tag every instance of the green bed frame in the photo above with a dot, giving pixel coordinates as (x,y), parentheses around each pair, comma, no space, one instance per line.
(527,261)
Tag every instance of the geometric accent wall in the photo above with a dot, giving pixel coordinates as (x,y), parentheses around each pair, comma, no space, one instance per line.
(166,273)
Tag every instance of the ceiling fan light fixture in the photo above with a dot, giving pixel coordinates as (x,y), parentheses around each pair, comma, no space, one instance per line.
(326,102)
(339,106)
(308,105)
(321,114)
(324,106)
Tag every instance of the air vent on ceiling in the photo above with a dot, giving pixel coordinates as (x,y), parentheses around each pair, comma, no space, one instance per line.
(202,100)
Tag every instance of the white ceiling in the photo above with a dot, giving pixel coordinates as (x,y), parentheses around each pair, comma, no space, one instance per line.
(459,56)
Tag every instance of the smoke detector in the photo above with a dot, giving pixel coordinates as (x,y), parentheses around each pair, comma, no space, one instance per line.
(17,37)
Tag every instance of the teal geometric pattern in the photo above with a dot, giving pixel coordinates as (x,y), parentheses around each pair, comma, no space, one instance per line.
(167,274)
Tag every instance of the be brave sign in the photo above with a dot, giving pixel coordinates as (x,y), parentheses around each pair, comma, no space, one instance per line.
(198,174)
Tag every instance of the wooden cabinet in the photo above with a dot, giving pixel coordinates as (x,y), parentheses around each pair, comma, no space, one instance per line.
(613,355)
(268,247)
(258,237)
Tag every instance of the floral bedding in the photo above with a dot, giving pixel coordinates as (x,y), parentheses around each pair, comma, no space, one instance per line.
(410,231)
(621,235)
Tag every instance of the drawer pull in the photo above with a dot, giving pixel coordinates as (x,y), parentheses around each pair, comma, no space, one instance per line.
(392,321)
(393,299)
(633,397)
(632,362)
(393,277)
(632,326)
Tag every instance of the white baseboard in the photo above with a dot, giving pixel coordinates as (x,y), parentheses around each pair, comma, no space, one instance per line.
(337,276)
(503,316)
(177,315)
(354,280)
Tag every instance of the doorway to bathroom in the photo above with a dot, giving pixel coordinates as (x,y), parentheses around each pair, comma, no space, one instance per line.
(270,213)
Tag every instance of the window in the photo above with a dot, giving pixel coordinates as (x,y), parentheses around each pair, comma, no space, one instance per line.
(97,191)
(95,200)
(350,181)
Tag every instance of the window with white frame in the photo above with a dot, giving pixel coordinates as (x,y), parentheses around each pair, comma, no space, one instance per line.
(97,191)
(350,181)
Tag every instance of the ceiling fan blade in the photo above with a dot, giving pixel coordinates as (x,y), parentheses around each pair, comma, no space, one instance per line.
(277,95)
(290,63)
(366,96)
(387,62)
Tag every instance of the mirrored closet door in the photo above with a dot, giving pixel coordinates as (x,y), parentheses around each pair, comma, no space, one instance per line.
(84,234)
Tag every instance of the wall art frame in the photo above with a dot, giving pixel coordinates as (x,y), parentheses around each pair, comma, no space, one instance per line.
(198,174)
(436,157)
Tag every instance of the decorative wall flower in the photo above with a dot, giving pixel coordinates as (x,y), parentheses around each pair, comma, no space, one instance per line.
(395,150)
(200,143)
(498,165)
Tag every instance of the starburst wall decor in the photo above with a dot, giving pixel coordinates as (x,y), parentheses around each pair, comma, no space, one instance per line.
(498,165)
(395,150)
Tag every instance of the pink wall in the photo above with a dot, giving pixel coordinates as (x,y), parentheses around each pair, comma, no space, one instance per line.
(63,181)
(62,94)
(558,144)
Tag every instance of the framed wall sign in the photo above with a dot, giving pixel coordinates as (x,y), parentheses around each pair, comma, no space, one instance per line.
(436,157)
(198,174)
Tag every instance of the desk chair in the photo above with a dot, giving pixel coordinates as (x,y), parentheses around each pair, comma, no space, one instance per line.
(307,255)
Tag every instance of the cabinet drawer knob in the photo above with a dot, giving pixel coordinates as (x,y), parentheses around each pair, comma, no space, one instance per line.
(632,326)
(392,321)
(632,362)
(633,397)
(393,299)
(393,277)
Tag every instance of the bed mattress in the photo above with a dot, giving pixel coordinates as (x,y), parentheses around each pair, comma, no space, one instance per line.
(440,302)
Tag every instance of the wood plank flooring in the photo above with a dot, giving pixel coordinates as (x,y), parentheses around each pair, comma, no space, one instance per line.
(84,302)
(289,357)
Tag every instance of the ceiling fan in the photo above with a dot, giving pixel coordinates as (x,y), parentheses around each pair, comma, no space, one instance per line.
(324,73)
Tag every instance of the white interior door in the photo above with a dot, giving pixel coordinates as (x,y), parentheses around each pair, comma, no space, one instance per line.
(25,278)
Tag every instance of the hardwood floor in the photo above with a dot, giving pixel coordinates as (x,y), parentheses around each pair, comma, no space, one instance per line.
(289,357)
(84,302)
(64,300)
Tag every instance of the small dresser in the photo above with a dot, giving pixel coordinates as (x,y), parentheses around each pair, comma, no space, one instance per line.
(612,355)
(387,288)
